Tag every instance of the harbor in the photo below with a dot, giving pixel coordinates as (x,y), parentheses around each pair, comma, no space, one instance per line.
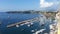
(33,24)
(29,16)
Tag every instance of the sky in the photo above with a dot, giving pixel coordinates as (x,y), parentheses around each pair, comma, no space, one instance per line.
(17,5)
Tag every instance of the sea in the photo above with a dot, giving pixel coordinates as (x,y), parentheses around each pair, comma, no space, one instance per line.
(11,18)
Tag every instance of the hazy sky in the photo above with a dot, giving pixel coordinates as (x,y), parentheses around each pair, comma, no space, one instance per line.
(28,4)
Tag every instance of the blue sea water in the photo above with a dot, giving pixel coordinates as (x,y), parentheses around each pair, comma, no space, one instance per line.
(7,19)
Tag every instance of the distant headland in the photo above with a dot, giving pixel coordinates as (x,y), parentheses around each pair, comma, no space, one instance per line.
(28,11)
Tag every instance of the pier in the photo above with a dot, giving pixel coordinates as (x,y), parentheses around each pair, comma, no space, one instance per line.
(24,22)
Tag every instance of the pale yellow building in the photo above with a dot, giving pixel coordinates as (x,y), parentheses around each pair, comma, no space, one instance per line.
(58,21)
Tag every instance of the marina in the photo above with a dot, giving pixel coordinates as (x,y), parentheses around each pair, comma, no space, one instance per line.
(34,24)
(29,16)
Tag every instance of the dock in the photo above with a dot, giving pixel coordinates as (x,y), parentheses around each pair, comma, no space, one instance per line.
(24,22)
